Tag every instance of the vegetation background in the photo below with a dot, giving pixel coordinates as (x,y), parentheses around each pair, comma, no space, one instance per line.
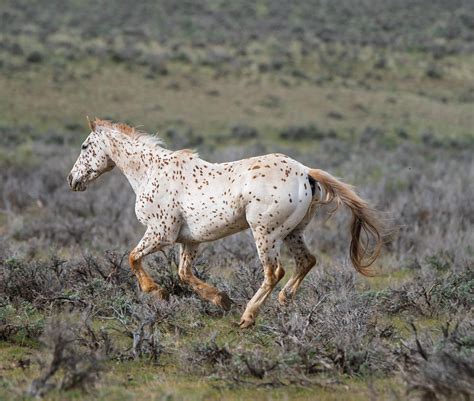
(379,92)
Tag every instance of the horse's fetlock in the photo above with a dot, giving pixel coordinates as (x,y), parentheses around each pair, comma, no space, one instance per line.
(222,299)
(283,297)
(149,285)
(280,273)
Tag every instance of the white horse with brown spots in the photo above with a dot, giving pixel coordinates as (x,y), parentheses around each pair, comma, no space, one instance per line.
(181,198)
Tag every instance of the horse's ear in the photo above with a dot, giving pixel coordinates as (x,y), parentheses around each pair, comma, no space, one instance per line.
(91,124)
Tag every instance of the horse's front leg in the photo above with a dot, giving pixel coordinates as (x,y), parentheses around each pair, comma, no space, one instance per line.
(150,243)
(204,290)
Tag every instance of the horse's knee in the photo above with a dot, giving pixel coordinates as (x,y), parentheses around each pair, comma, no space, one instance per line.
(133,260)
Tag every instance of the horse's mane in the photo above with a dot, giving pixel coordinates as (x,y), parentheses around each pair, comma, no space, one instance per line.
(127,130)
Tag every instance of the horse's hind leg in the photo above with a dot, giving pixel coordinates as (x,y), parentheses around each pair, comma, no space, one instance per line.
(204,290)
(269,253)
(304,261)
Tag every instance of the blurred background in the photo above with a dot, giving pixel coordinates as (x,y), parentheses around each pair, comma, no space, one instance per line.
(378,92)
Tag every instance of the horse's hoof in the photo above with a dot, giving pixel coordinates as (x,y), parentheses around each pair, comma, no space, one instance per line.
(160,294)
(245,323)
(223,300)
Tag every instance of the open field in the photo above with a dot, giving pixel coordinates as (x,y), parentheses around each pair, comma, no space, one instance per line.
(381,94)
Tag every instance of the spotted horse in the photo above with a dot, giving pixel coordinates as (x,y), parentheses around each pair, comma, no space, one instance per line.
(183,199)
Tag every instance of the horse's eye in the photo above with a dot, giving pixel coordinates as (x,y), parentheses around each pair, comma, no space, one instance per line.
(84,146)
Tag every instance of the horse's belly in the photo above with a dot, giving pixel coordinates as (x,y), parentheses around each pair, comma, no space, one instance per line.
(209,228)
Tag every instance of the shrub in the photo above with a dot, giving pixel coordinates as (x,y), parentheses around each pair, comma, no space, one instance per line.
(243,132)
(35,57)
(441,369)
(302,133)
(74,362)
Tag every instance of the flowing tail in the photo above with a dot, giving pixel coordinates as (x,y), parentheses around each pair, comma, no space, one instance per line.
(364,219)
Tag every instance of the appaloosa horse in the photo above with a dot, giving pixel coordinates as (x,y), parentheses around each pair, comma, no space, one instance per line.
(181,198)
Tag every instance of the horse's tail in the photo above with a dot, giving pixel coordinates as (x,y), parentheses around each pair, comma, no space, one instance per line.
(364,219)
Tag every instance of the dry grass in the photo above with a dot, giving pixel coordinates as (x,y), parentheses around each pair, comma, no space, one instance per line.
(185,98)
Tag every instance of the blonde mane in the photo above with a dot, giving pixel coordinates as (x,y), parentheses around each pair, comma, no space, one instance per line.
(126,130)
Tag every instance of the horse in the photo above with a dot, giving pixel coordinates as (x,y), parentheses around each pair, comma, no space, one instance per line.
(181,198)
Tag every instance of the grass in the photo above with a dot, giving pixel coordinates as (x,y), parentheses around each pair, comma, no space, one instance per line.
(182,388)
(143,380)
(384,278)
(140,380)
(185,97)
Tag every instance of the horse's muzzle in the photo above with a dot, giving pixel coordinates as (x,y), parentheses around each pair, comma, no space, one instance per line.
(75,185)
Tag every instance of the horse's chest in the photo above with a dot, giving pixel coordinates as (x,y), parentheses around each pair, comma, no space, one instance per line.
(157,204)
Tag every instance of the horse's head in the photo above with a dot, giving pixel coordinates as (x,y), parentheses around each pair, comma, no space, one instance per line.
(92,162)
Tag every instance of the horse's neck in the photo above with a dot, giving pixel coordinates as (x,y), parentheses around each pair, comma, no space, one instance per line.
(136,160)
